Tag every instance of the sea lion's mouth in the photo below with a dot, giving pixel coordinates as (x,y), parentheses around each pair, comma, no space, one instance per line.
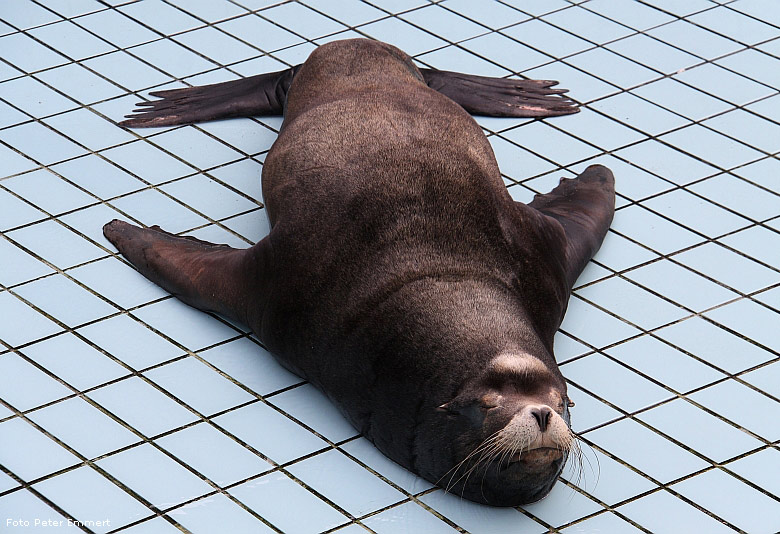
(540,455)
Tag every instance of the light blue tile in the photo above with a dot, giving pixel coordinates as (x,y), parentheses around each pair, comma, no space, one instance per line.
(102,276)
(588,411)
(274,494)
(639,113)
(750,319)
(79,83)
(606,522)
(630,181)
(188,326)
(614,383)
(10,116)
(736,502)
(398,6)
(154,208)
(586,24)
(666,364)
(753,64)
(6,483)
(22,324)
(89,129)
(195,147)
(95,497)
(562,505)
(213,454)
(261,33)
(133,400)
(604,478)
(652,230)
(702,432)
(213,513)
(729,398)
(409,516)
(696,213)
(396,32)
(647,451)
(148,163)
(34,98)
(202,388)
(157,525)
(309,406)
(681,99)
(40,143)
(351,12)
(28,54)
(722,83)
(730,268)
(711,146)
(480,518)
(653,53)
(301,20)
(270,433)
(612,68)
(748,128)
(758,10)
(48,191)
(635,15)
(18,266)
(588,323)
(24,386)
(677,516)
(73,8)
(98,176)
(90,221)
(216,234)
(254,226)
(444,23)
(39,456)
(766,378)
(762,173)
(508,53)
(83,427)
(591,273)
(160,16)
(549,142)
(127,71)
(216,45)
(209,10)
(26,506)
(65,300)
(209,197)
(295,55)
(356,489)
(25,16)
(367,453)
(602,131)
(172,58)
(117,28)
(715,345)
(130,341)
(516,162)
(632,303)
(740,196)
(71,40)
(245,135)
(457,59)
(154,476)
(754,469)
(542,36)
(694,39)
(251,365)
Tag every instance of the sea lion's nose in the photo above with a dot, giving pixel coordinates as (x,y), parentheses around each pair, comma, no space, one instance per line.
(542,415)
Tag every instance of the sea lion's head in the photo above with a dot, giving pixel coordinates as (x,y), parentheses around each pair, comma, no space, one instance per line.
(507,432)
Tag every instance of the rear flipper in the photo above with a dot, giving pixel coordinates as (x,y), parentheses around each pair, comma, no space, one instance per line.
(204,275)
(501,97)
(584,206)
(264,94)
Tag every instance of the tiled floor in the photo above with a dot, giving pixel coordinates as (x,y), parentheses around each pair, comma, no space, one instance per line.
(122,408)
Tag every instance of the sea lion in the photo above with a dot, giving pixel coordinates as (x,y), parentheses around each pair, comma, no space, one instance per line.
(399,276)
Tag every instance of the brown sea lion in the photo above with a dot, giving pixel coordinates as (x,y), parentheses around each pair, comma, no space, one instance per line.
(399,276)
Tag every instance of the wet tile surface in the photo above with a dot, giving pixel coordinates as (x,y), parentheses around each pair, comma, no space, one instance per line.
(118,402)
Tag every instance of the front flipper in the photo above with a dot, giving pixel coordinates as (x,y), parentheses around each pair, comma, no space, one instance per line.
(204,275)
(501,97)
(584,206)
(264,94)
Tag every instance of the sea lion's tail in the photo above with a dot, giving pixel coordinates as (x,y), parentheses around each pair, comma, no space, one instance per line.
(501,97)
(264,94)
